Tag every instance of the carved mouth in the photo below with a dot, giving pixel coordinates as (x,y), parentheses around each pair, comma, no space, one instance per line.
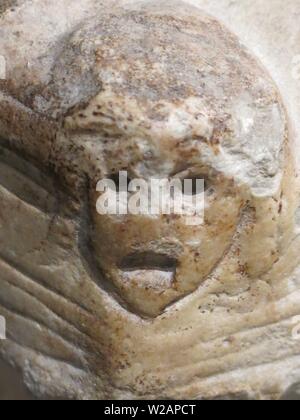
(149,270)
(148,261)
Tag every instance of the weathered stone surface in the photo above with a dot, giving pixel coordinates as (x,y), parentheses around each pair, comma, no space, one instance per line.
(6,4)
(159,89)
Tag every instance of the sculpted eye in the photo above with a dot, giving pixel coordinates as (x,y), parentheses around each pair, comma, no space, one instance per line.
(193,185)
(121,182)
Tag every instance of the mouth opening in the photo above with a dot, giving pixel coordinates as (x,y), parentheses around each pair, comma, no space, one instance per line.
(148,261)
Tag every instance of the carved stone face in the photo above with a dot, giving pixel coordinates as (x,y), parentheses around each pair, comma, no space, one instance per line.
(159,91)
(154,260)
(170,102)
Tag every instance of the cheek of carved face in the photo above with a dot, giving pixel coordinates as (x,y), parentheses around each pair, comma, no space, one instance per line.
(154,261)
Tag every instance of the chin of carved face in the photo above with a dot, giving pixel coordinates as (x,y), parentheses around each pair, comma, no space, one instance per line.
(152,261)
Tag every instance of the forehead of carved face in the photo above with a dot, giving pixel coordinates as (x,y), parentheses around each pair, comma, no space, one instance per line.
(161,91)
(165,85)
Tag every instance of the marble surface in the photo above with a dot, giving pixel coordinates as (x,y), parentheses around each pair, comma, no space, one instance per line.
(226,329)
(11,384)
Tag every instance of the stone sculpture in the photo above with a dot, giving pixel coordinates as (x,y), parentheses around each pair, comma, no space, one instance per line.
(138,306)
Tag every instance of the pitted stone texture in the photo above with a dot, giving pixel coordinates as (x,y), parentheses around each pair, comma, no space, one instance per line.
(8,4)
(159,89)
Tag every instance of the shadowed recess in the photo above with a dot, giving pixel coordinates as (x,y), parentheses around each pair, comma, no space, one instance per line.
(148,261)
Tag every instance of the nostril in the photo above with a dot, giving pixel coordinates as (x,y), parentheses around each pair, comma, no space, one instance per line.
(148,261)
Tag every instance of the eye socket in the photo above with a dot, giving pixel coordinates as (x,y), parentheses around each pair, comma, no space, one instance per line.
(190,188)
(121,182)
(195,185)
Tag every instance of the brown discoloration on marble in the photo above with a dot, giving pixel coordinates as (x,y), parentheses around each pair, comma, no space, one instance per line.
(158,89)
(8,4)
